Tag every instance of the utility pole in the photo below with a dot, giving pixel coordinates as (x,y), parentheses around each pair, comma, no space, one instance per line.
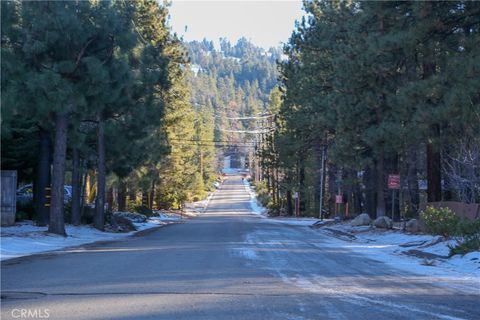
(322,178)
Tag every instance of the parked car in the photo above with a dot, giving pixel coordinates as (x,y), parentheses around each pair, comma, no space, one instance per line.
(25,194)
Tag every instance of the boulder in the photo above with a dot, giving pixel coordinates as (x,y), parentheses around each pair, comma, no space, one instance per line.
(122,223)
(132,216)
(414,226)
(383,222)
(361,220)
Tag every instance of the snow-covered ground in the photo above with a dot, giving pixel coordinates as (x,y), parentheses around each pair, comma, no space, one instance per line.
(198,206)
(416,253)
(294,221)
(256,208)
(24,238)
(424,254)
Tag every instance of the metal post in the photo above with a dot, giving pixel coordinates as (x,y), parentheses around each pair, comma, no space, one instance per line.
(393,203)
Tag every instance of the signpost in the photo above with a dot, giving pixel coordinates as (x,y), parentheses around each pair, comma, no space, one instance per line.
(394,184)
(338,202)
(338,199)
(297,204)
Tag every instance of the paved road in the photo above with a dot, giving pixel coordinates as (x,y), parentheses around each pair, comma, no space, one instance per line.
(227,264)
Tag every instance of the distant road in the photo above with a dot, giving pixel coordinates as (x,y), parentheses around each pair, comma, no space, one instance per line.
(226,264)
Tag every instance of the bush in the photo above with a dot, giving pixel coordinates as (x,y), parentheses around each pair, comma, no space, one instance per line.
(263,196)
(22,215)
(441,221)
(469,244)
(146,211)
(467,228)
(468,233)
(25,211)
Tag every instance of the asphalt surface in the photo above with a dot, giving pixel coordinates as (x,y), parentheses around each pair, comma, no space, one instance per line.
(225,264)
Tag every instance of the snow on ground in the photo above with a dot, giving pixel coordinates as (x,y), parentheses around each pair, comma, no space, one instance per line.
(256,208)
(24,238)
(198,206)
(416,253)
(294,221)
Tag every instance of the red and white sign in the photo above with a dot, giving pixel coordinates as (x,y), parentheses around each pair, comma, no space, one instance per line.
(393,181)
(338,198)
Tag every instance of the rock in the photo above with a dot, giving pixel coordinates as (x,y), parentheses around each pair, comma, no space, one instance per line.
(134,217)
(361,220)
(383,222)
(412,225)
(122,223)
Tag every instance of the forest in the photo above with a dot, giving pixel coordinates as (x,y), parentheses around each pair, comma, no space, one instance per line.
(103,96)
(370,89)
(95,94)
(234,81)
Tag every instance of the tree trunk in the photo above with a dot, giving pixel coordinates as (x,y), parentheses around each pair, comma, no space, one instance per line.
(132,194)
(301,191)
(380,183)
(289,203)
(109,197)
(412,182)
(83,185)
(357,197)
(145,197)
(277,180)
(152,195)
(99,219)
(122,195)
(369,180)
(434,171)
(57,223)
(90,188)
(42,204)
(331,187)
(434,177)
(76,187)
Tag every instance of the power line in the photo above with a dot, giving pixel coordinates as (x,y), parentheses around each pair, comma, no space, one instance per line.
(246,131)
(200,140)
(246,118)
(212,145)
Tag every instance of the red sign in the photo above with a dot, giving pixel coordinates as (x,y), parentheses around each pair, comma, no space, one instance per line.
(338,198)
(393,181)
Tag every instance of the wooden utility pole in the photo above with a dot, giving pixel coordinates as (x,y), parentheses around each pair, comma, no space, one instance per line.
(322,179)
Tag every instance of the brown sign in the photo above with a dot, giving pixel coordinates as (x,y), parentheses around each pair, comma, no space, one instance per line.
(393,181)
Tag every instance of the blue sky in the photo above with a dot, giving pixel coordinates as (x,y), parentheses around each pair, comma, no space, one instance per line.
(265,23)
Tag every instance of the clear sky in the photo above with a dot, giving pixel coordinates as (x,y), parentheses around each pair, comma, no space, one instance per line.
(265,23)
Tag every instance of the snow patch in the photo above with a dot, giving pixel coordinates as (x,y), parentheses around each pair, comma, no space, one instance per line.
(392,247)
(256,208)
(25,238)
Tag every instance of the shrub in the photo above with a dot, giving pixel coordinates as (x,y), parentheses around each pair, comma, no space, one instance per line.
(146,211)
(468,233)
(466,228)
(263,196)
(469,244)
(441,221)
(22,215)
(25,211)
